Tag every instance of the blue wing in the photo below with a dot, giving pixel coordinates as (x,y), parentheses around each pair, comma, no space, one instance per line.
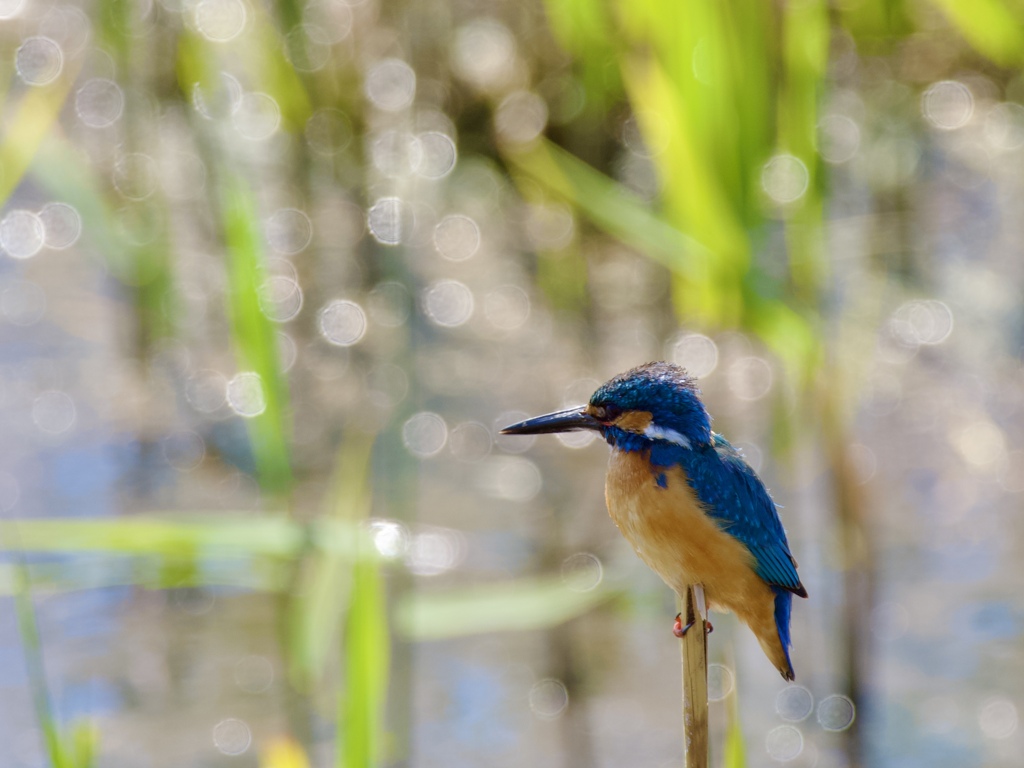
(737,499)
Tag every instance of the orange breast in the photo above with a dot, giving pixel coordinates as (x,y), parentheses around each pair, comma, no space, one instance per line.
(670,532)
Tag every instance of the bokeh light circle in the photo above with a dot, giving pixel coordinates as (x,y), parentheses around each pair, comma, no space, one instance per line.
(342,322)
(257,117)
(582,572)
(433,552)
(980,442)
(62,225)
(483,53)
(521,117)
(448,303)
(38,61)
(68,26)
(183,449)
(549,226)
(948,105)
(9,9)
(794,703)
(22,234)
(332,18)
(54,412)
(437,155)
(328,131)
(695,352)
(507,307)
(425,434)
(839,139)
(457,237)
(307,48)
(836,712)
(512,443)
(245,394)
(219,20)
(218,98)
(206,391)
(136,175)
(396,154)
(998,718)
(254,674)
(721,682)
(784,743)
(926,321)
(232,736)
(390,538)
(548,698)
(785,179)
(750,378)
(1004,126)
(389,221)
(99,103)
(280,298)
(511,478)
(390,85)
(289,231)
(470,441)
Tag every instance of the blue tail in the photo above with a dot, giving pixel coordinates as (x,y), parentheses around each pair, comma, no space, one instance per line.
(783,606)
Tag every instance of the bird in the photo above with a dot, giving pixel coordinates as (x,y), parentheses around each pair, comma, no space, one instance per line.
(687,501)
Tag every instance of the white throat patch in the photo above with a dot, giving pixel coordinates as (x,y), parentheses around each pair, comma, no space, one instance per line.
(668,435)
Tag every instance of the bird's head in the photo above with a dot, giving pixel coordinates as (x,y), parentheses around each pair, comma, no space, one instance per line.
(656,401)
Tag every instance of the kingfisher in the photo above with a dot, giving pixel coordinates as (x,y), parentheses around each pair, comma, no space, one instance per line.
(687,501)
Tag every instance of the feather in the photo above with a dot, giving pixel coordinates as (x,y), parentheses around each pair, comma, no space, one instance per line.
(737,500)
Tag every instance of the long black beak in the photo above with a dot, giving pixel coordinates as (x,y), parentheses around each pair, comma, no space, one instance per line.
(569,420)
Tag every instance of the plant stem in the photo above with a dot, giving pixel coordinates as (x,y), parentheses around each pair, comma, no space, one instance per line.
(694,649)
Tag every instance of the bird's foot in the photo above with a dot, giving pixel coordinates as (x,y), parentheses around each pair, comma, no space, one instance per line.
(680,631)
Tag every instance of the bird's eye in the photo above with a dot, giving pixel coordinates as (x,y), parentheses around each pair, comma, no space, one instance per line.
(606,413)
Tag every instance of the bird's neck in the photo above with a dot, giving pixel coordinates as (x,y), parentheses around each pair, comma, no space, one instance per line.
(624,440)
(630,442)
(634,442)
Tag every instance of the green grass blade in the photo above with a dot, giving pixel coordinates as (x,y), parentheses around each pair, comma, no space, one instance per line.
(82,744)
(524,604)
(268,536)
(321,600)
(28,629)
(805,59)
(735,753)
(254,335)
(609,205)
(128,571)
(34,117)
(990,26)
(366,658)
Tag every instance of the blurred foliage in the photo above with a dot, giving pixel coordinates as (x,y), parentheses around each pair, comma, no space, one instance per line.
(452,164)
(254,337)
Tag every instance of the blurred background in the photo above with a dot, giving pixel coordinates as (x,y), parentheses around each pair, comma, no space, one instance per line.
(274,274)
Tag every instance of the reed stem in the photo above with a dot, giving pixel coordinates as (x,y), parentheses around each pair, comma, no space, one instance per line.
(694,649)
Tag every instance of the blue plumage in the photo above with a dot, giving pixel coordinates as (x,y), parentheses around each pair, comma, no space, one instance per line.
(737,499)
(783,607)
(662,390)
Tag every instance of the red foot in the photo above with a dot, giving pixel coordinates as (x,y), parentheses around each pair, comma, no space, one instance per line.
(680,631)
